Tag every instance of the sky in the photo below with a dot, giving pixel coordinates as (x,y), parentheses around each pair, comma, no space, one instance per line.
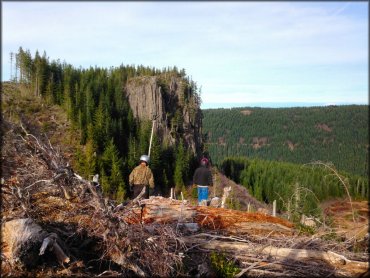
(242,53)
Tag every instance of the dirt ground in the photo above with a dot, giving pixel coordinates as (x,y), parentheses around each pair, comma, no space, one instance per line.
(348,221)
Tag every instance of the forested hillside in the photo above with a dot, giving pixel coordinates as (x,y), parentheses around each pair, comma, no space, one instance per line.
(61,125)
(336,134)
(298,189)
(111,139)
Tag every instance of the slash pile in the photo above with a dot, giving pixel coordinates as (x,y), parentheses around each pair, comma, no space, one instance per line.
(56,223)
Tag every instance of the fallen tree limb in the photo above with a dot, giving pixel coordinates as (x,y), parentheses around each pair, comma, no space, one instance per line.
(343,266)
(249,268)
(49,155)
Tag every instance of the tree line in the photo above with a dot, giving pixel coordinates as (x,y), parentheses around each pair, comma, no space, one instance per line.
(335,134)
(296,188)
(111,139)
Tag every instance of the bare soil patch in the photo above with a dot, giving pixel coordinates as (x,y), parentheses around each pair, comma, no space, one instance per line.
(246,112)
(324,127)
(340,212)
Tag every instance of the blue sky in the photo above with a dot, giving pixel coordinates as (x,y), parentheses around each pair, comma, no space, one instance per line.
(239,53)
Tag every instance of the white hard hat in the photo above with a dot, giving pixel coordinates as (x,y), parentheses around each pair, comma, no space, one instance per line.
(145,158)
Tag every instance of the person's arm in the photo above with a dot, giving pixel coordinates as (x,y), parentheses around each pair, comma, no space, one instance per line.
(131,177)
(195,176)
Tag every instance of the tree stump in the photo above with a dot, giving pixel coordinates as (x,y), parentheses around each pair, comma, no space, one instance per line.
(24,241)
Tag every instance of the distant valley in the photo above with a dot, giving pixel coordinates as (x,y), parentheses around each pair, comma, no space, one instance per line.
(333,134)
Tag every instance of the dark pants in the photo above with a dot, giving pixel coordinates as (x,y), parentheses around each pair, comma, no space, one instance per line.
(137,189)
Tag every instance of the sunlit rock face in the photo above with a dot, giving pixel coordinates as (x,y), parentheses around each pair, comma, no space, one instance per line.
(174,105)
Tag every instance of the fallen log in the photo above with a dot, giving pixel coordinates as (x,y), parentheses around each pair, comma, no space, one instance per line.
(162,210)
(340,265)
(24,241)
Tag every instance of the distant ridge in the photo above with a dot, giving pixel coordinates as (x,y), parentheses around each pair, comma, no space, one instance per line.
(215,105)
(333,133)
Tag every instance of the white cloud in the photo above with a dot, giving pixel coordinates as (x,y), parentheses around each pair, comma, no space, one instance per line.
(227,47)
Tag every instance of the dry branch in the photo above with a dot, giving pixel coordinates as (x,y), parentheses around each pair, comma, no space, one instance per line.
(341,179)
(143,237)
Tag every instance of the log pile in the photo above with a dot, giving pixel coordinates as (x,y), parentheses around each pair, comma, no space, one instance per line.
(56,223)
(165,210)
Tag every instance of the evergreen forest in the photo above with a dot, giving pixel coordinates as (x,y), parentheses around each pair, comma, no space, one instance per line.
(111,139)
(333,134)
(297,189)
(270,151)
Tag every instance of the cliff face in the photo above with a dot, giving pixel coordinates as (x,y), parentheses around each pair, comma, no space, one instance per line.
(173,103)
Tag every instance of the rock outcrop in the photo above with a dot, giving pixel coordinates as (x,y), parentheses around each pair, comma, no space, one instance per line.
(175,105)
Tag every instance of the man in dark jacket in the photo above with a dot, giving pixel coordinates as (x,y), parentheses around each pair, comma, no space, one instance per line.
(203,179)
(203,175)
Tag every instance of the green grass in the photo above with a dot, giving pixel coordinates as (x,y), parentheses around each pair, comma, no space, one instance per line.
(223,266)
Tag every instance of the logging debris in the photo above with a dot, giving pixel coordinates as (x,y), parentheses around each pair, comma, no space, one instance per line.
(65,226)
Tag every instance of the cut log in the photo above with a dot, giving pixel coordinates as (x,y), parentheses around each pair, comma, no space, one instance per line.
(162,210)
(24,241)
(21,239)
(215,202)
(50,242)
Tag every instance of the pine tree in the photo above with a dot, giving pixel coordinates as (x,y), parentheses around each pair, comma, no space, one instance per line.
(133,153)
(105,183)
(99,130)
(91,159)
(116,180)
(111,167)
(37,74)
(179,167)
(156,164)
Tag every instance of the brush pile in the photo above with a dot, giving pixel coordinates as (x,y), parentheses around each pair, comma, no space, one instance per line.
(56,223)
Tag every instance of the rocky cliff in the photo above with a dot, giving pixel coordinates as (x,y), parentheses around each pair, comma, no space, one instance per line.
(174,104)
